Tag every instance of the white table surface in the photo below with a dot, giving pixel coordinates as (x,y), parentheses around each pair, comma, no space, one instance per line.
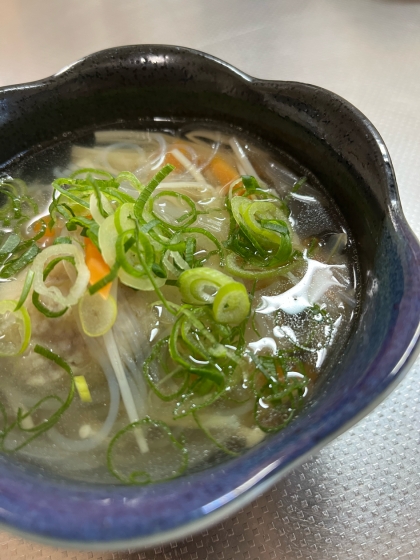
(359,497)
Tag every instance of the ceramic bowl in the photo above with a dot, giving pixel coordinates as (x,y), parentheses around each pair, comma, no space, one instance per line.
(331,139)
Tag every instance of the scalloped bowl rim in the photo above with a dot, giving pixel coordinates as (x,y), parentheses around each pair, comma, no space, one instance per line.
(254,472)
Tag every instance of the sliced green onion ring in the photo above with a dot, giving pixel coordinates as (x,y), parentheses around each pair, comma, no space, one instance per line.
(148,190)
(9,245)
(142,473)
(206,371)
(91,171)
(97,314)
(201,393)
(68,193)
(199,286)
(129,258)
(124,217)
(231,304)
(26,289)
(186,219)
(44,309)
(83,275)
(12,320)
(238,267)
(13,267)
(167,385)
(131,179)
(46,424)
(201,423)
(100,207)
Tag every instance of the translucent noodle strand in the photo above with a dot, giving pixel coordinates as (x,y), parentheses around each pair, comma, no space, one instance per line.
(88,444)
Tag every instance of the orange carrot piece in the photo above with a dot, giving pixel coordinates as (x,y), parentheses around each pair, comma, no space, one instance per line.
(170,158)
(223,172)
(49,234)
(239,192)
(97,266)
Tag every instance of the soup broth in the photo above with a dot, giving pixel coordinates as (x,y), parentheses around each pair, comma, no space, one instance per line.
(168,299)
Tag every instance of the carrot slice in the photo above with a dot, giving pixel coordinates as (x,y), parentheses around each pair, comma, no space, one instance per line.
(49,234)
(97,266)
(223,172)
(170,158)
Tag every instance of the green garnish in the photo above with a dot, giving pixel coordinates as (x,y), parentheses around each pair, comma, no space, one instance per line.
(139,471)
(203,359)
(26,289)
(47,422)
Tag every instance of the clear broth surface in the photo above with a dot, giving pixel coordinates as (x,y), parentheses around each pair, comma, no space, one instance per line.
(298,322)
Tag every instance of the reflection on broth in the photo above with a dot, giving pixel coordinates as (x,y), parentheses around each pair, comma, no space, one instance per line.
(167,300)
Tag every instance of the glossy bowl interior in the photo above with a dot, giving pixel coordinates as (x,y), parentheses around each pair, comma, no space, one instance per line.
(342,149)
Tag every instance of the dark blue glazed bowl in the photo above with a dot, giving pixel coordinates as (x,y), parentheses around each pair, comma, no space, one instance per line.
(331,139)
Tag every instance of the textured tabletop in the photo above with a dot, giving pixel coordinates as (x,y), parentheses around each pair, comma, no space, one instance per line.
(360,496)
